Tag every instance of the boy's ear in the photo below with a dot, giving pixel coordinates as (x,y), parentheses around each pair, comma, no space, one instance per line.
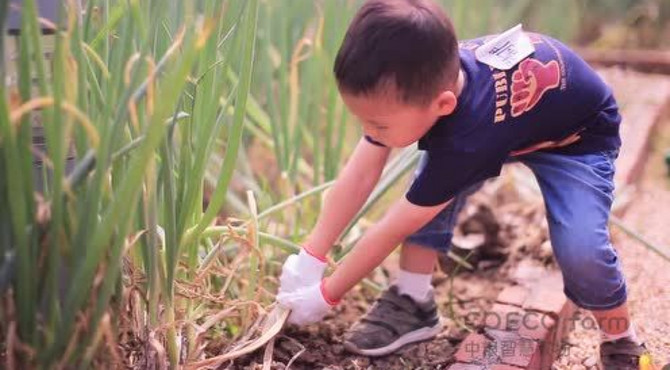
(445,103)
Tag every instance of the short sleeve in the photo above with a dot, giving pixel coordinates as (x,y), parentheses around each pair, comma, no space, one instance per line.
(373,142)
(442,175)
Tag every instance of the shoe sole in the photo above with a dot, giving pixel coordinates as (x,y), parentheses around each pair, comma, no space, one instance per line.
(418,335)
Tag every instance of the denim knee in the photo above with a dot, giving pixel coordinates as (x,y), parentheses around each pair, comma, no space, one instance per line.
(437,233)
(591,269)
(577,192)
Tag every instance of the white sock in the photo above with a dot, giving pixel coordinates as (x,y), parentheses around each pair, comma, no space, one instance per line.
(629,333)
(417,286)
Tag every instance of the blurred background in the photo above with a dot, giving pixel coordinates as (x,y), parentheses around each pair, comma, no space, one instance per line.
(158,160)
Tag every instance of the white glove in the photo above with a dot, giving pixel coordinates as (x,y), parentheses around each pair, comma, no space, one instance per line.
(300,271)
(307,304)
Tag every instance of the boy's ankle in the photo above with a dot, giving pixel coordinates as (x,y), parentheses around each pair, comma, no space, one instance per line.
(629,333)
(417,286)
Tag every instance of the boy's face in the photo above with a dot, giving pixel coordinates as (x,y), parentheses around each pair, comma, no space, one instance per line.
(394,123)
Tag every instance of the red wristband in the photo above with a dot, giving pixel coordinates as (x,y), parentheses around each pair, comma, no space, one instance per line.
(328,300)
(322,259)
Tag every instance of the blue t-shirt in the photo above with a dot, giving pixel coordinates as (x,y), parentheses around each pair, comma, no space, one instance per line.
(550,101)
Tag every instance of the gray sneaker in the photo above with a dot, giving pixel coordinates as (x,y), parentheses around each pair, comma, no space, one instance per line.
(621,354)
(393,321)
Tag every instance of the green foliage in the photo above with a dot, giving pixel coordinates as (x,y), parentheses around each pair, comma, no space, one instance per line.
(123,92)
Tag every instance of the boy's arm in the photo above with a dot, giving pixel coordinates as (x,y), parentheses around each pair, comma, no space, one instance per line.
(347,196)
(401,220)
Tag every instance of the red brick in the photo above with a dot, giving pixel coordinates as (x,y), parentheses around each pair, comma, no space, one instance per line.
(473,349)
(501,335)
(514,295)
(528,272)
(462,366)
(503,317)
(565,319)
(504,367)
(551,339)
(534,315)
(551,347)
(537,325)
(546,295)
(512,349)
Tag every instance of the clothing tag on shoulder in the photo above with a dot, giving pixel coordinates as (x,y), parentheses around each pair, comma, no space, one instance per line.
(506,50)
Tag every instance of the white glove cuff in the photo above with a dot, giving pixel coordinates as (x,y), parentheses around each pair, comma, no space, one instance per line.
(309,264)
(308,261)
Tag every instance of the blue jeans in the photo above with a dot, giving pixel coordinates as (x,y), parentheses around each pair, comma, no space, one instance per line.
(577,192)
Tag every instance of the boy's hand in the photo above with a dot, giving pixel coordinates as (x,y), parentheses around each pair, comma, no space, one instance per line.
(308,305)
(299,271)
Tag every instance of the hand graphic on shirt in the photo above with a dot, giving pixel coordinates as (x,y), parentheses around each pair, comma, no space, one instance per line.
(530,81)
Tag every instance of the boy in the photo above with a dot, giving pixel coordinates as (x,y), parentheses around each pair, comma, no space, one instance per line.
(471,108)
